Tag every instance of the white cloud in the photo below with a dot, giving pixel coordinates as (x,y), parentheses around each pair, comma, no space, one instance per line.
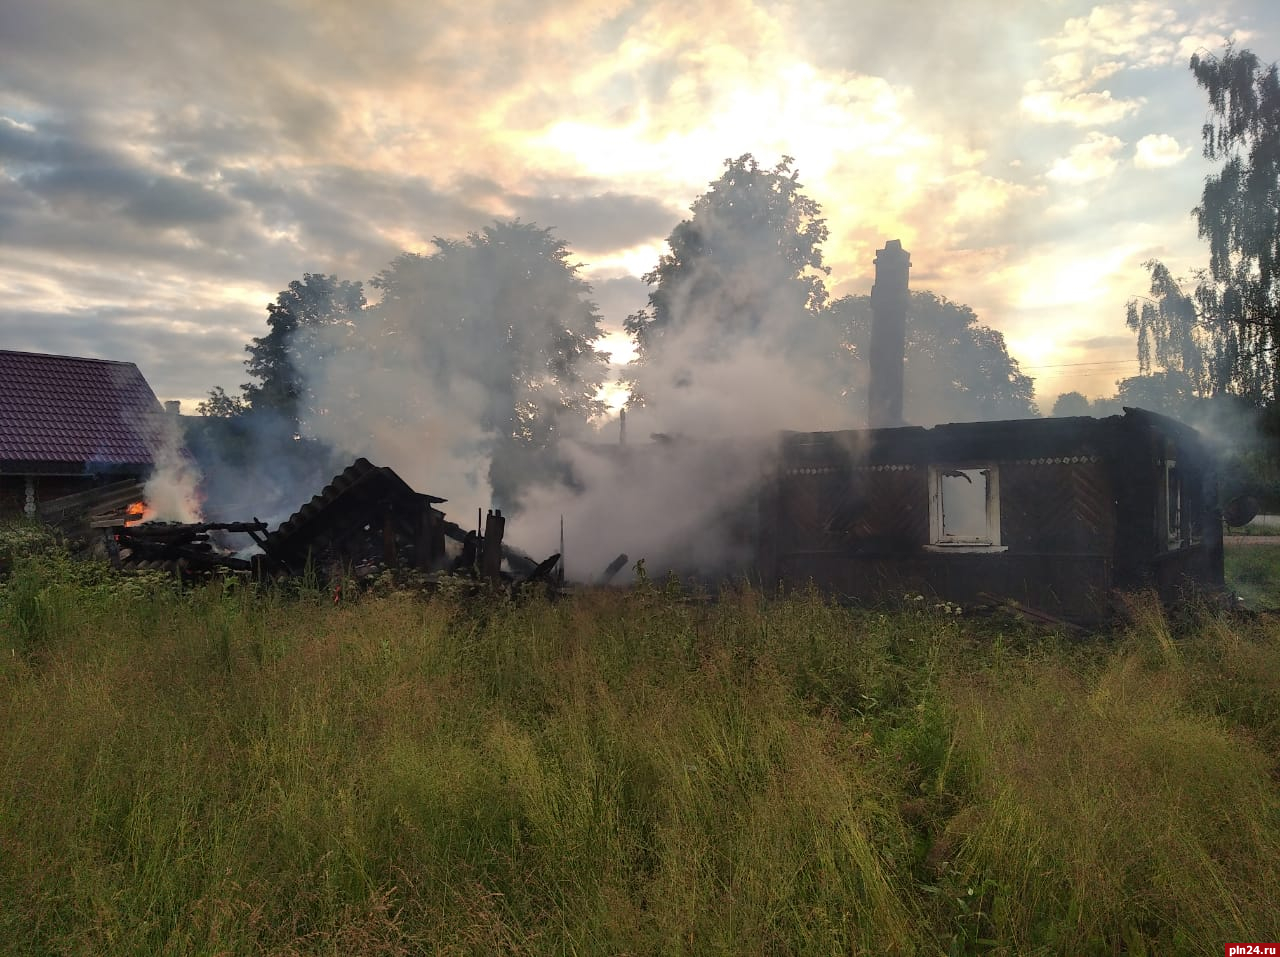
(1111,39)
(1078,109)
(1157,150)
(1139,34)
(1087,161)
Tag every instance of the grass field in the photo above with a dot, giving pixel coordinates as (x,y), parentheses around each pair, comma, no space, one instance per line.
(1253,573)
(214,772)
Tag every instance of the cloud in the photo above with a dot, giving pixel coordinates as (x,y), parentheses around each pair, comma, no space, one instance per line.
(1078,109)
(1102,342)
(147,336)
(1138,34)
(164,161)
(1109,42)
(1091,160)
(617,297)
(1157,150)
(601,221)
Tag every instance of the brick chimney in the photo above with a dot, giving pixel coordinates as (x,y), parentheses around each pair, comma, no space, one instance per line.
(888,336)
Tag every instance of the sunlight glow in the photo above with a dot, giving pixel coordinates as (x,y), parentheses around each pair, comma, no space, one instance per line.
(614,395)
(1035,349)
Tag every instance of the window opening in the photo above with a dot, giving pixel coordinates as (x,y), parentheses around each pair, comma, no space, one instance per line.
(964,505)
(1173,502)
(965,508)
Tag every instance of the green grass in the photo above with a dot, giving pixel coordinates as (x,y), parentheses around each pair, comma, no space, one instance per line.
(1253,573)
(213,772)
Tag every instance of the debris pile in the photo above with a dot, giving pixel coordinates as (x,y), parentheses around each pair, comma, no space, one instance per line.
(365,522)
(178,548)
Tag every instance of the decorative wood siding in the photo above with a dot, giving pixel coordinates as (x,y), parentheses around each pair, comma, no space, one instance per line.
(839,509)
(1057,508)
(861,531)
(1046,507)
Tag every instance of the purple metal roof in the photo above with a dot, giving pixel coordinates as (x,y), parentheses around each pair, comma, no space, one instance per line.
(66,413)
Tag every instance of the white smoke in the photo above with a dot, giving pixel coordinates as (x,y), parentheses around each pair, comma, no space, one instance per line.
(383,404)
(172,491)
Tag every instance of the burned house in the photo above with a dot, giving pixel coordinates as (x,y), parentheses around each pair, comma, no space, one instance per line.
(368,519)
(366,514)
(1051,513)
(69,425)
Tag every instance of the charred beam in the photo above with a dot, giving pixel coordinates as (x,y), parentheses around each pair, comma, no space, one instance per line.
(615,566)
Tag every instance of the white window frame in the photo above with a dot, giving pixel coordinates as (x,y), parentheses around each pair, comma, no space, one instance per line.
(988,543)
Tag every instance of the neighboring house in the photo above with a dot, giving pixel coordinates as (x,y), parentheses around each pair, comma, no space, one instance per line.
(1053,513)
(69,424)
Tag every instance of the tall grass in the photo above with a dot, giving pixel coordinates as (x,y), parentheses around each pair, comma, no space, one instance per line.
(216,772)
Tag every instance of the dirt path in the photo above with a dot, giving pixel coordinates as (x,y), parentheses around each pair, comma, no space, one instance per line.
(1233,540)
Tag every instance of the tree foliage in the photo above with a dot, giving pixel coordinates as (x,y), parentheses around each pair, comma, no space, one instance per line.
(1173,340)
(956,368)
(307,324)
(1239,214)
(219,405)
(1170,391)
(1069,404)
(748,262)
(1223,337)
(502,323)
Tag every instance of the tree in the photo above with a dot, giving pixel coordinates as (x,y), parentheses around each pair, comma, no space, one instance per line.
(309,322)
(220,405)
(747,263)
(501,326)
(956,368)
(1172,338)
(1170,392)
(1239,216)
(1069,404)
(1233,318)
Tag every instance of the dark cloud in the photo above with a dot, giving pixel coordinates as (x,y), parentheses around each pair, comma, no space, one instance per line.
(594,224)
(73,175)
(176,361)
(69,195)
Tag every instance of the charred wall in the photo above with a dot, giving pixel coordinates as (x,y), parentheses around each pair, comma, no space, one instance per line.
(1074,509)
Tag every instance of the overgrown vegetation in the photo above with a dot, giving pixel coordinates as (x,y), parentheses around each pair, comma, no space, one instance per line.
(213,771)
(1253,572)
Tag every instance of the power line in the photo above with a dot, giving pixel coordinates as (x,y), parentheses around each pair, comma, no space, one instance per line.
(1076,365)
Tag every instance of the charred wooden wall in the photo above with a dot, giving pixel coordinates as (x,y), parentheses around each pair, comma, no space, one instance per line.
(1079,504)
(863,532)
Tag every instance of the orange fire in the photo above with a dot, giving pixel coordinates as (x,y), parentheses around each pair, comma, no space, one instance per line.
(137,513)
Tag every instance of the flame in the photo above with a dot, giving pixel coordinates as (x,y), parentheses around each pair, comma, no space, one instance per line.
(137,513)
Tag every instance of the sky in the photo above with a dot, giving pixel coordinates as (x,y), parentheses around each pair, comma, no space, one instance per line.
(166,169)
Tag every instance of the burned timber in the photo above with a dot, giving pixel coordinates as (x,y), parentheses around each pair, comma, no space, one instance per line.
(364,522)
